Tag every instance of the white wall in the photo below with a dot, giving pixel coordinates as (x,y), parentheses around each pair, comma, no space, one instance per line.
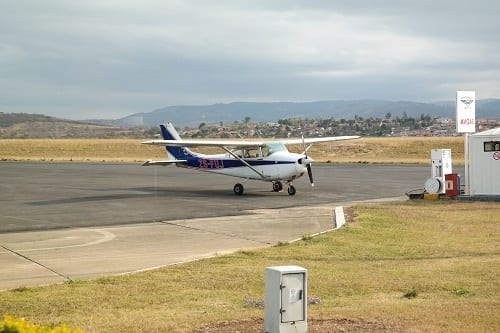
(484,169)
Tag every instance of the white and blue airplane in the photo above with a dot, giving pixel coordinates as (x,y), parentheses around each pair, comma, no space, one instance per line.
(268,161)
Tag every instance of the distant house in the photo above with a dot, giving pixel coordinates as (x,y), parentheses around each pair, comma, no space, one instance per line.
(446,121)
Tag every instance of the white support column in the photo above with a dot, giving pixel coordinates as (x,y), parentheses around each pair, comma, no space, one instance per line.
(466,164)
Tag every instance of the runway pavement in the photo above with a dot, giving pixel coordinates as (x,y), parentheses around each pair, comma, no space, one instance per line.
(77,221)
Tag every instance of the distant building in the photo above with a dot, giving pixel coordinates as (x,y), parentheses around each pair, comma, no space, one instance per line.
(484,163)
(446,121)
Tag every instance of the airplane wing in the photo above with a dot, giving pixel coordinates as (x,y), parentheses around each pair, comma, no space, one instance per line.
(242,143)
(165,162)
(205,143)
(317,140)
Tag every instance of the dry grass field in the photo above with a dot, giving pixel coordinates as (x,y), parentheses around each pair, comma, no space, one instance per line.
(364,150)
(402,267)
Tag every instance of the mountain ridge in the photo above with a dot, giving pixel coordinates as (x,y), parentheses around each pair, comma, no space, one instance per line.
(193,115)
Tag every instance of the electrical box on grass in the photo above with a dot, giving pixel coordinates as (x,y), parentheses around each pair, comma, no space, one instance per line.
(285,302)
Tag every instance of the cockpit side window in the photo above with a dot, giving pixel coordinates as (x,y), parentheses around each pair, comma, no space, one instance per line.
(252,153)
(246,152)
(259,152)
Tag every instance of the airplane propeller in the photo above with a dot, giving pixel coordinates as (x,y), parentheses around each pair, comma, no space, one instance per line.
(307,161)
(309,172)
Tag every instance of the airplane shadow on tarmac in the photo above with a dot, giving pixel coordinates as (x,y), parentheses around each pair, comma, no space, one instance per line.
(171,192)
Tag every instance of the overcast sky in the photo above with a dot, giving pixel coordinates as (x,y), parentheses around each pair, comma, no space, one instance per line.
(108,59)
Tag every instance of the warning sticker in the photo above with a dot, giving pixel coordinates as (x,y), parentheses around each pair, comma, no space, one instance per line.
(295,295)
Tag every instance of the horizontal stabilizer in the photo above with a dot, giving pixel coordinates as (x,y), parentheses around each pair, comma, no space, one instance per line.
(163,163)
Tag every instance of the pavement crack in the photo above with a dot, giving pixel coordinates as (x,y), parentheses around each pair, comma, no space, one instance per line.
(214,232)
(36,262)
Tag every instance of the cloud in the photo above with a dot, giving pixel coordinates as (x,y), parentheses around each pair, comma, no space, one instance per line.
(110,58)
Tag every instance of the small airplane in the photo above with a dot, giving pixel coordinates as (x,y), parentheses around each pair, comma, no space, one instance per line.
(268,161)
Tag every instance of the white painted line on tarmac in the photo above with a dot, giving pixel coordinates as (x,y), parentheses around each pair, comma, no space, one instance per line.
(22,218)
(107,236)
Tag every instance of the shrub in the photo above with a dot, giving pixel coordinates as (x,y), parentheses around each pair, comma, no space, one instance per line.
(410,294)
(15,325)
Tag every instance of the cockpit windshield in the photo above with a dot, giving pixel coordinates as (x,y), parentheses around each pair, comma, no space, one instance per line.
(273,147)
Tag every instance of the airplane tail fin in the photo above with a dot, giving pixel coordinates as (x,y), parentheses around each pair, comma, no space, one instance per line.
(168,132)
(178,153)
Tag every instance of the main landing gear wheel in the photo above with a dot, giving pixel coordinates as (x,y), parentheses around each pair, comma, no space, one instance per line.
(238,189)
(291,190)
(277,186)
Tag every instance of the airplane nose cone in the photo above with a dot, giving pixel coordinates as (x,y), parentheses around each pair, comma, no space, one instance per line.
(305,160)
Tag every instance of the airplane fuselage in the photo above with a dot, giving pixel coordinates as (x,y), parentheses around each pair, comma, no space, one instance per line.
(278,166)
(266,161)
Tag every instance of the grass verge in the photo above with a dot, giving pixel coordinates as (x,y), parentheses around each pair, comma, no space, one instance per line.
(421,266)
(364,150)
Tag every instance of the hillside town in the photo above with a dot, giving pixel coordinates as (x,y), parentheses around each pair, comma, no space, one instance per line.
(39,126)
(425,125)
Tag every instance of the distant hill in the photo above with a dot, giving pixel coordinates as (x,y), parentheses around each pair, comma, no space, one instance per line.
(9,119)
(34,126)
(193,115)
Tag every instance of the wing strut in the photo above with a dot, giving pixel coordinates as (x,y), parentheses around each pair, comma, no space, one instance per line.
(243,161)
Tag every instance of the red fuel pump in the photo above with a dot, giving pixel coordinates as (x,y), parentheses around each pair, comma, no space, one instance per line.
(452,185)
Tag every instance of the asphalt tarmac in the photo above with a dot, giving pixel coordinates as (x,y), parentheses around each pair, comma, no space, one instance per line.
(61,221)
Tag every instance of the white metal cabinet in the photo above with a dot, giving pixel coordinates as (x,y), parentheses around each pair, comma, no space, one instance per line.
(285,303)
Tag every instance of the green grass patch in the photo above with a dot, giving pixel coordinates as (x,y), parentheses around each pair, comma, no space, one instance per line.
(423,266)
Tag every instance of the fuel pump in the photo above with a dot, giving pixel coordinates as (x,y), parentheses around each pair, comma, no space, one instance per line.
(440,166)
